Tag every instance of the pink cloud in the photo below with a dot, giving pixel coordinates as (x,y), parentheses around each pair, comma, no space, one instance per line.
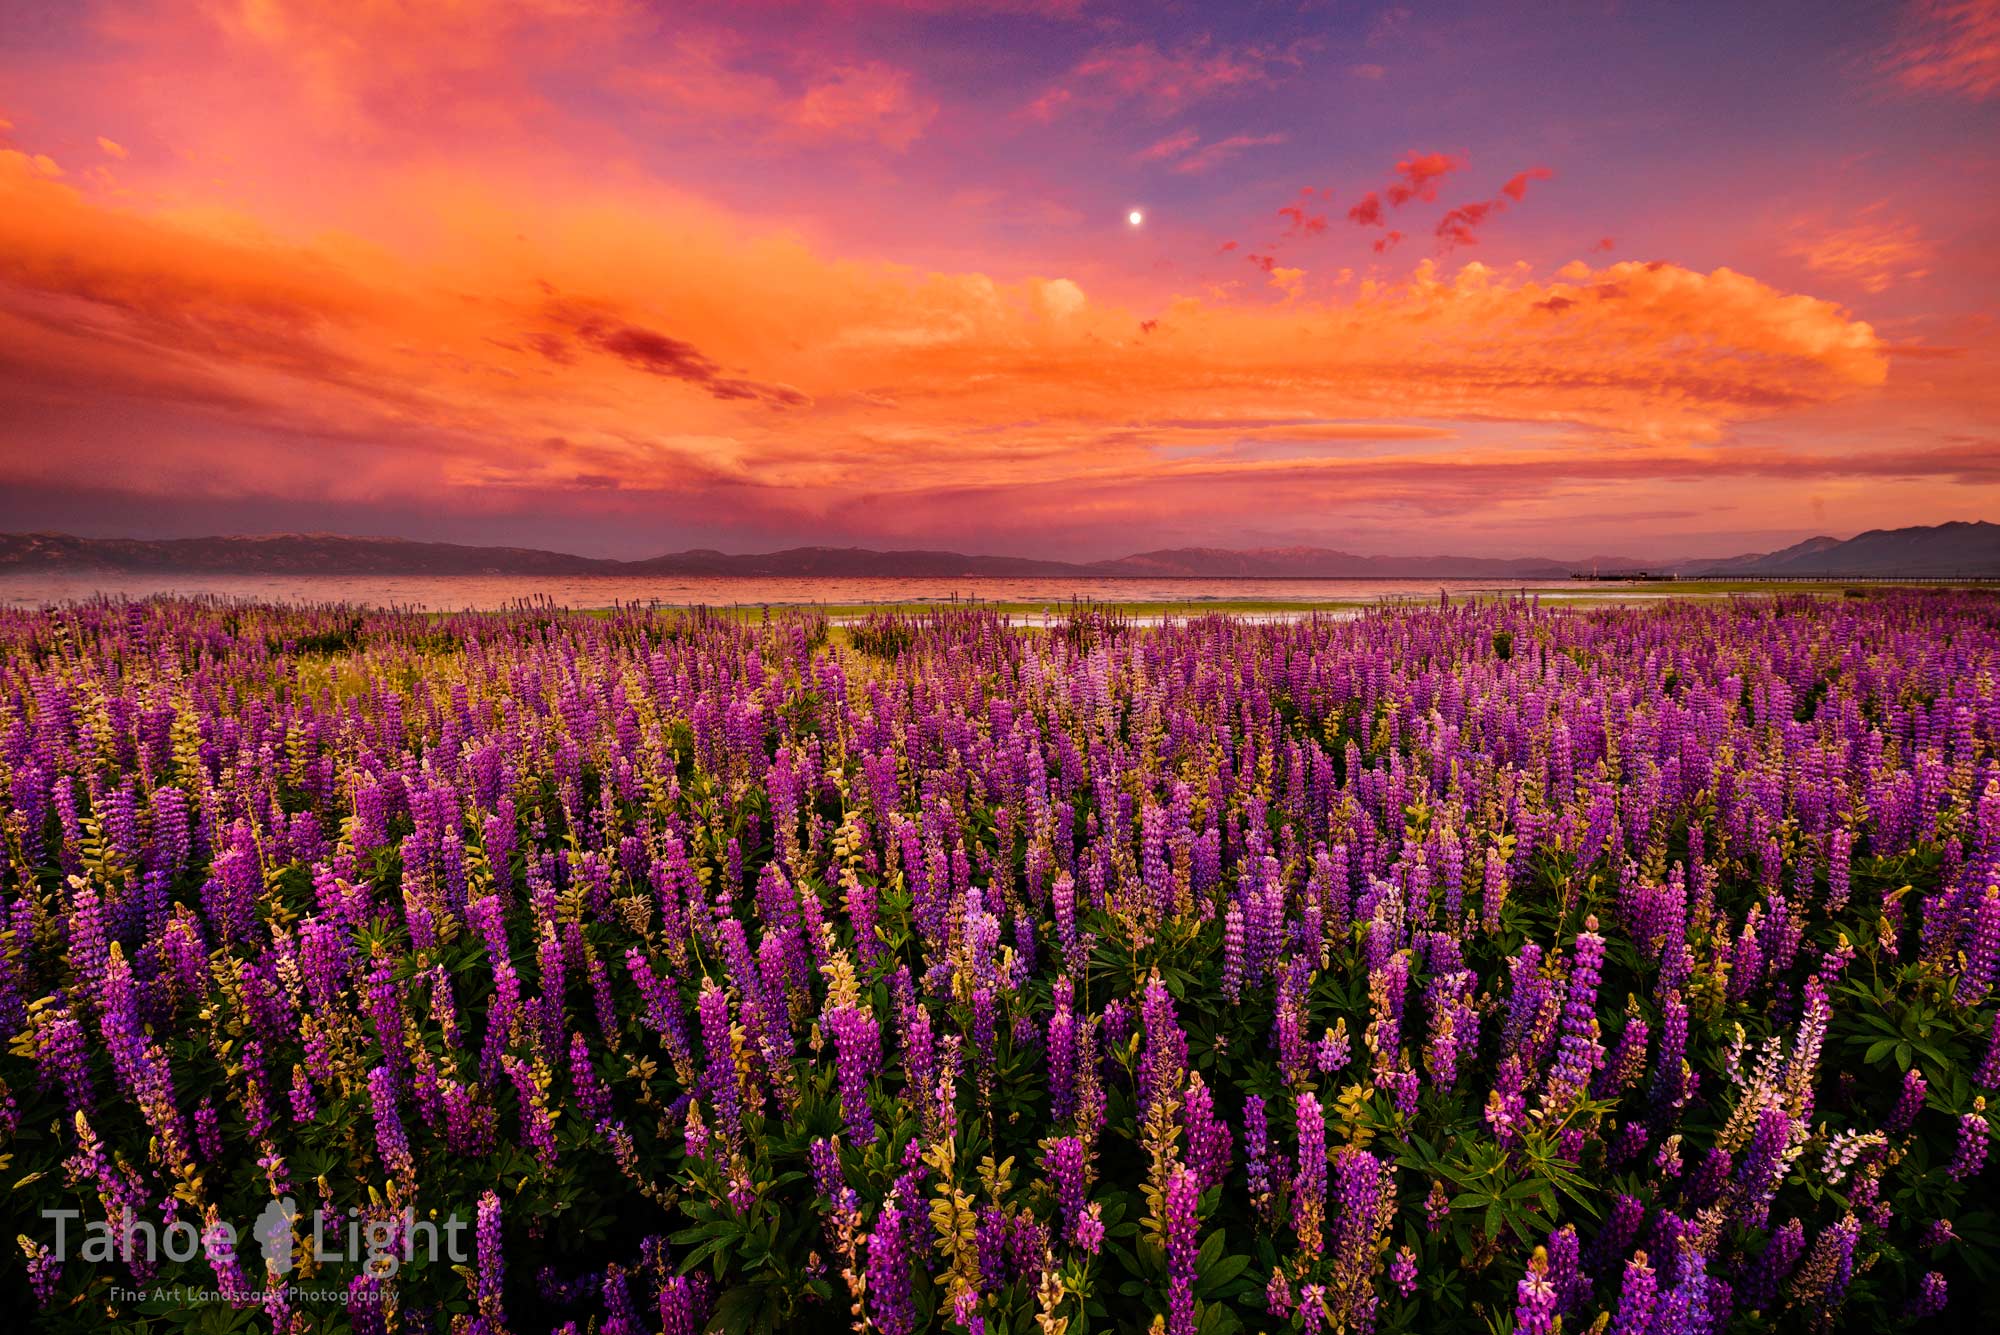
(1162,81)
(1948,46)
(1460,227)
(1419,175)
(709,80)
(1302,223)
(1222,150)
(1516,188)
(871,101)
(1172,146)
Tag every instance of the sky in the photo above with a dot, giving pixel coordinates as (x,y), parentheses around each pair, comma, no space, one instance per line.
(1051,278)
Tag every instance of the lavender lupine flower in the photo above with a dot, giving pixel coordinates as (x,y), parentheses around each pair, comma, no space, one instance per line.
(1278,1300)
(1182,1192)
(1982,948)
(1437,1205)
(683,1305)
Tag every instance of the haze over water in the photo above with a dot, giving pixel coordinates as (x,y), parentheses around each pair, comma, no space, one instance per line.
(486,592)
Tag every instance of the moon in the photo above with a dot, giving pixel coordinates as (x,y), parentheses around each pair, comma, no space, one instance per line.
(1135,217)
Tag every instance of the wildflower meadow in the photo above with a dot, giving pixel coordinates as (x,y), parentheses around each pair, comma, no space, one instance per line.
(1486,967)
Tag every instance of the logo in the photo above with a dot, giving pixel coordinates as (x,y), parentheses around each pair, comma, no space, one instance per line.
(273,1231)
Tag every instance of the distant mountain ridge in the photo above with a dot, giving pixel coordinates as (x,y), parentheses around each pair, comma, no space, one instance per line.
(1950,550)
(1939,551)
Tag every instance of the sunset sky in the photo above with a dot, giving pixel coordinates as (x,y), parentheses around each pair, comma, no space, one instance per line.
(620,279)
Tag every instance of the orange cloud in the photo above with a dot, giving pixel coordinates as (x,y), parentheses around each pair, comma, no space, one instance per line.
(546,340)
(1871,255)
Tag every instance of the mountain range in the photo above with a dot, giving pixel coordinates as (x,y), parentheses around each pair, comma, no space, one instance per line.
(1938,551)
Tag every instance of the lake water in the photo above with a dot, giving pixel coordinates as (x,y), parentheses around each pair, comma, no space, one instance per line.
(441,593)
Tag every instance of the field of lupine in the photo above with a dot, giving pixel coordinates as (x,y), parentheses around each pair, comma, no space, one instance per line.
(1476,968)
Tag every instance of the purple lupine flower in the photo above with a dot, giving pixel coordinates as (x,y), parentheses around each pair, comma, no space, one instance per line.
(1989,1067)
(890,1304)
(1182,1245)
(857,1042)
(1763,1166)
(1309,1180)
(1578,1052)
(990,1236)
(1973,1133)
(1065,1163)
(1535,1298)
(391,1144)
(1908,1103)
(1208,1136)
(44,1271)
(1636,1296)
(1163,1064)
(1232,952)
(1258,1160)
(490,1281)
(1684,1309)
(1566,1269)
(1930,1298)
(1774,1266)
(1820,1285)
(365,1314)
(1937,1233)
(1403,1271)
